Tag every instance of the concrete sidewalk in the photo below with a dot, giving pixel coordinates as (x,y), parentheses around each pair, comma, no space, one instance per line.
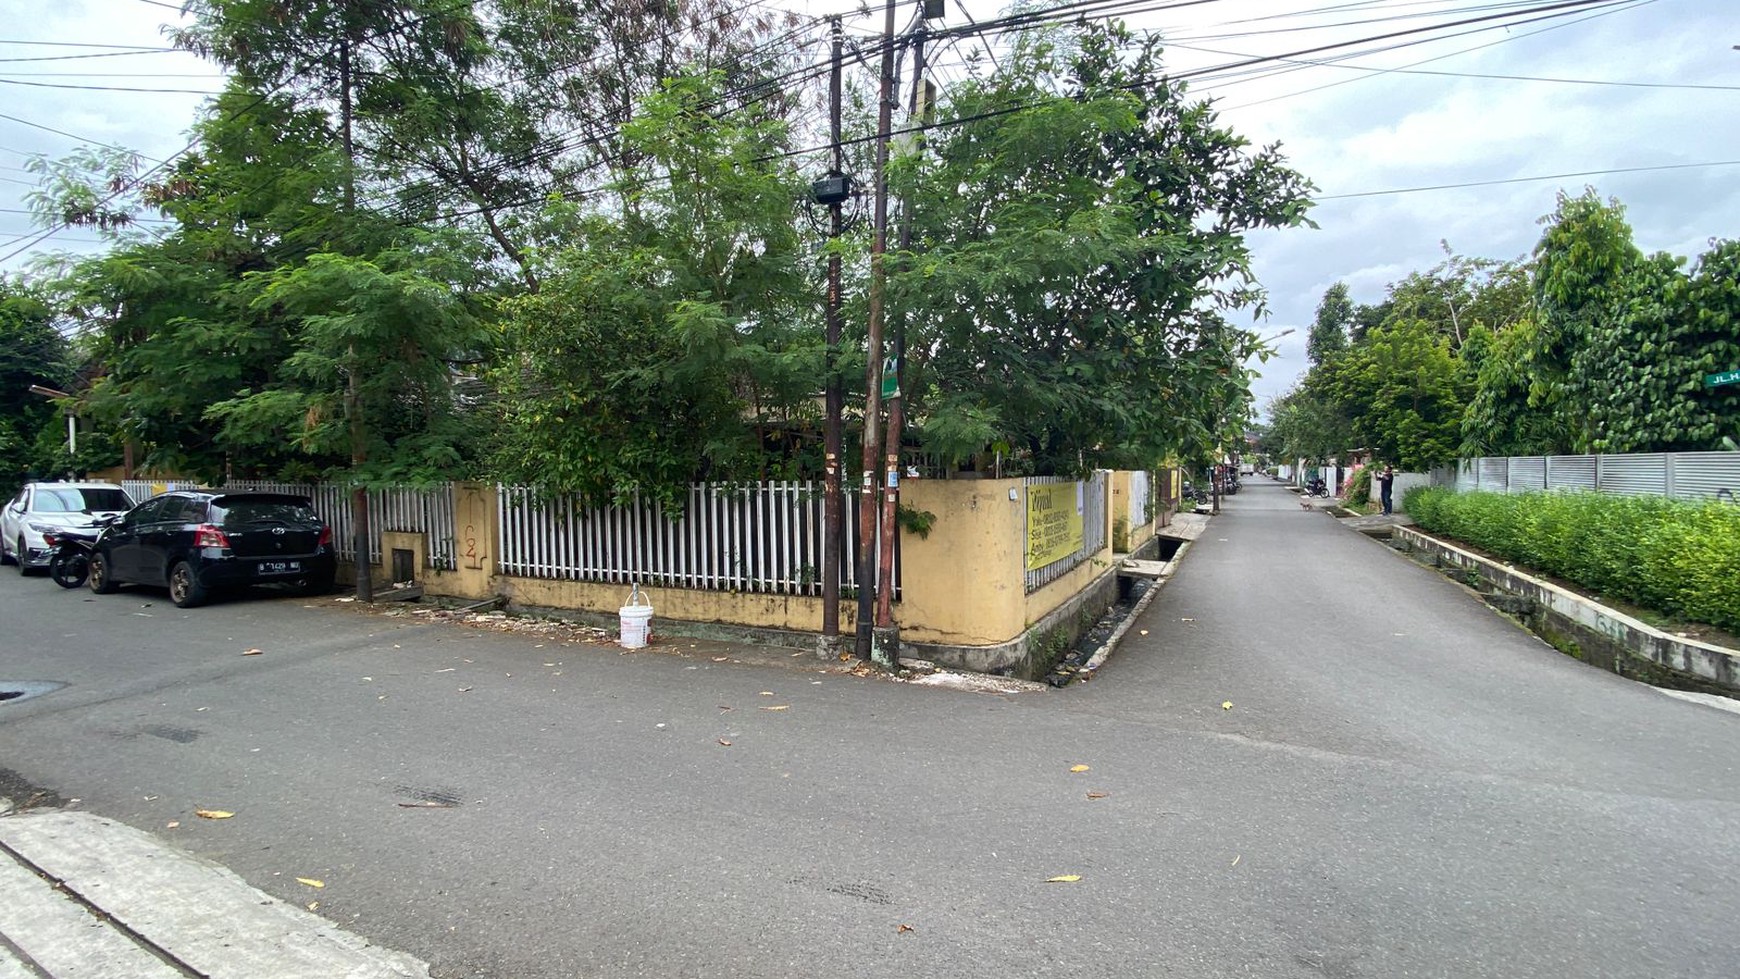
(82,897)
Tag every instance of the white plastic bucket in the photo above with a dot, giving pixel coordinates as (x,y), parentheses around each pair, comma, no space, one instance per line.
(636,621)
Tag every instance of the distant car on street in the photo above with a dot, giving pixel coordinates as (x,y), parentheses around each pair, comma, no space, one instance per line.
(195,542)
(43,508)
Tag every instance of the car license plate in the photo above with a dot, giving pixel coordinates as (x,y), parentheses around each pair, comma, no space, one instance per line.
(280,567)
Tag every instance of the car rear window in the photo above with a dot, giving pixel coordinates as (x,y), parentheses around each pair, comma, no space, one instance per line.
(233,511)
(69,500)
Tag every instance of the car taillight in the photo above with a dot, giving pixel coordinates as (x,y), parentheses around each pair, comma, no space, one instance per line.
(325,536)
(206,535)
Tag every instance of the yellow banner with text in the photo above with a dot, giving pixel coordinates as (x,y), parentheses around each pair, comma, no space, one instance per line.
(1054,523)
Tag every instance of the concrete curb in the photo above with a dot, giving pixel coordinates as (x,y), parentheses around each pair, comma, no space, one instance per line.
(162,907)
(1693,659)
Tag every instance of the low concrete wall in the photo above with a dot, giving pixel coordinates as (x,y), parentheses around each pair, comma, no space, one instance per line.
(1036,649)
(1584,628)
(963,600)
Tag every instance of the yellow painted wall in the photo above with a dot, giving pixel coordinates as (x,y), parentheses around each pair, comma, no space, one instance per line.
(1124,503)
(1042,602)
(964,584)
(474,533)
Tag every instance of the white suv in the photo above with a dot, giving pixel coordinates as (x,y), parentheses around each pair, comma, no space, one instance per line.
(45,507)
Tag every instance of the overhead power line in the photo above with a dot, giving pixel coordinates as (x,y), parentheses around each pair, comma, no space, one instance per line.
(107,88)
(1561,24)
(61,132)
(1525,180)
(314,61)
(106,54)
(85,44)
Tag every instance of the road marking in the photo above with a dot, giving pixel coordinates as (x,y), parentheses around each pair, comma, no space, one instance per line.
(1728,704)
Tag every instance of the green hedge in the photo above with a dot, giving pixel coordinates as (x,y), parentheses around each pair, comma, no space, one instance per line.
(1671,556)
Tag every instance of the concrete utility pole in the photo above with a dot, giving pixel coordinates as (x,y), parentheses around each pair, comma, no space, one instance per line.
(886,633)
(833,507)
(873,365)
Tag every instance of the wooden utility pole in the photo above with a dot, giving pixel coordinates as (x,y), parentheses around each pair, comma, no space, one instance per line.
(359,447)
(887,634)
(833,506)
(873,367)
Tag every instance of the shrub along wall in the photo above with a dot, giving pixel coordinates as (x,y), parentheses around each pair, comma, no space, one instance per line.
(1671,556)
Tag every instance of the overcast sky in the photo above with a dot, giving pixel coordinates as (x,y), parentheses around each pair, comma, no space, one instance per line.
(1637,84)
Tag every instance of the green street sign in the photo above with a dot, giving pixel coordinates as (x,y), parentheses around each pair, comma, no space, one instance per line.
(1717,380)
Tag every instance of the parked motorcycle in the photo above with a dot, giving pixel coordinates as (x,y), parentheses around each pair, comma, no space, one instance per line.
(69,562)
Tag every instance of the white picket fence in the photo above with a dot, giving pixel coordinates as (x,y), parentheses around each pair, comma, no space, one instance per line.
(1686,475)
(1093,497)
(141,490)
(762,538)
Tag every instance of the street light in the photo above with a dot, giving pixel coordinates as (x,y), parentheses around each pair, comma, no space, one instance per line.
(72,431)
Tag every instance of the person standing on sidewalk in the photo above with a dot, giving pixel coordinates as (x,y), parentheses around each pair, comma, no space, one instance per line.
(1385,481)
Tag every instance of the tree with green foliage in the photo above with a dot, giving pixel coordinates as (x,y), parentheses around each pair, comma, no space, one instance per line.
(1078,245)
(1405,392)
(1329,330)
(1499,419)
(1583,264)
(665,342)
(1461,294)
(32,352)
(1304,425)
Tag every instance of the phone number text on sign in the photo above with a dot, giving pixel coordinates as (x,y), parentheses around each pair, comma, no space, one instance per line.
(1054,523)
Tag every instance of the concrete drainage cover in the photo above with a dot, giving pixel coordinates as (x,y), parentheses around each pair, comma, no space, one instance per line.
(12,691)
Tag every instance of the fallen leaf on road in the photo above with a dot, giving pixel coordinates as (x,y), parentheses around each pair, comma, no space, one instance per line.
(1098,795)
(1079,768)
(779,707)
(311,882)
(212,814)
(1226,705)
(725,742)
(463,690)
(1063,879)
(173,824)
(252,652)
(903,929)
(313,905)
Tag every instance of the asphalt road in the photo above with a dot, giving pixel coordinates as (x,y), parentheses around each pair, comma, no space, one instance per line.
(1405,785)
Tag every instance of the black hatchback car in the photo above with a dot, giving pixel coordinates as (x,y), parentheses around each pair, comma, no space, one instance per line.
(199,541)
